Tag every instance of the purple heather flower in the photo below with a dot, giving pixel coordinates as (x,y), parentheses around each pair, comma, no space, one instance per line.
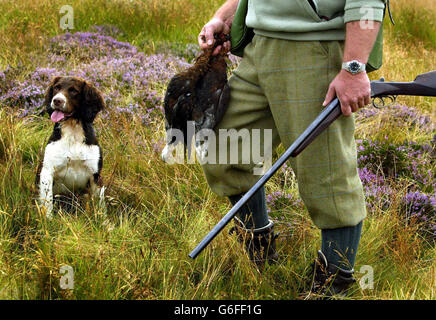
(115,67)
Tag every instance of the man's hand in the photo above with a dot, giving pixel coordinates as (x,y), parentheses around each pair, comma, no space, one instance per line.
(206,38)
(220,23)
(353,91)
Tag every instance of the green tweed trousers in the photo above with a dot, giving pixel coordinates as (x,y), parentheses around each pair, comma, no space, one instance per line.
(280,85)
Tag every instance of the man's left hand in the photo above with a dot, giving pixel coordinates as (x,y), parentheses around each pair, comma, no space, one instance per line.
(352,90)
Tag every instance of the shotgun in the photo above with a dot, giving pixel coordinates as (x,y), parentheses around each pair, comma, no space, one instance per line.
(423,85)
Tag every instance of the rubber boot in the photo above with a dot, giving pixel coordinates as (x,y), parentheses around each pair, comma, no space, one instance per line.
(329,280)
(259,243)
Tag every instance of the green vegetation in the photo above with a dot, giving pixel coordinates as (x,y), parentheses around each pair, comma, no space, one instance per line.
(156,212)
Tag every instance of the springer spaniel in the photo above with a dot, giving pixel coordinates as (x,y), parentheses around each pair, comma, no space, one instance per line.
(72,159)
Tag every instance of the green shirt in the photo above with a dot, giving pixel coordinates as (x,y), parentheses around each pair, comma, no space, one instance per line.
(298,20)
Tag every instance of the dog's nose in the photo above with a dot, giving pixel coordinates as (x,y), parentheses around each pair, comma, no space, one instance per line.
(58,102)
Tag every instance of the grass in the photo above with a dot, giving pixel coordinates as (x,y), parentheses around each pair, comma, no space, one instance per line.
(144,23)
(157,213)
(409,46)
(414,23)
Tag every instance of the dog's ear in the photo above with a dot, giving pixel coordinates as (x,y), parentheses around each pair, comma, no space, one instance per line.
(92,102)
(49,95)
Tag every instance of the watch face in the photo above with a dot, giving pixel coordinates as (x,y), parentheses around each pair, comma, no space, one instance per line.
(354,66)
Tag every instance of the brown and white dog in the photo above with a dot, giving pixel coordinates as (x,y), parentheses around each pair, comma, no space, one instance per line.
(72,159)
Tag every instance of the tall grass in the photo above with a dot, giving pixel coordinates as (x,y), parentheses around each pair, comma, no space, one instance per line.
(414,23)
(156,212)
(26,24)
(409,46)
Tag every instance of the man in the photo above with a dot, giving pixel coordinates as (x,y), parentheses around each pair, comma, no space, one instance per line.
(303,54)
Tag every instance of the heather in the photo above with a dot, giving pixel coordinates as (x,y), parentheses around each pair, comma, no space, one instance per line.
(115,67)
(156,213)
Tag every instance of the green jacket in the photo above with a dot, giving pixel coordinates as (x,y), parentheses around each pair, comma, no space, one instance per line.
(302,20)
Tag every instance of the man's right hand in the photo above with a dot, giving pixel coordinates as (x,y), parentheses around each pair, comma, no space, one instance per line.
(206,38)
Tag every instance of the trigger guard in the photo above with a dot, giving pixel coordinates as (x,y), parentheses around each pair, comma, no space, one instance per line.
(376,105)
(383,104)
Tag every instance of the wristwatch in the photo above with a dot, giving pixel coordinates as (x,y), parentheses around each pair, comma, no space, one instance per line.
(353,66)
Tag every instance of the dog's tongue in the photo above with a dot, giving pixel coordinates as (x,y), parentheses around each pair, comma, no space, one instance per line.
(57,116)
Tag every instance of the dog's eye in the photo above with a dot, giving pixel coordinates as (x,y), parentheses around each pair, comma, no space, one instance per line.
(72,90)
(57,87)
(188,94)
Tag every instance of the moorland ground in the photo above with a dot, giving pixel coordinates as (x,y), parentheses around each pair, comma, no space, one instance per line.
(156,212)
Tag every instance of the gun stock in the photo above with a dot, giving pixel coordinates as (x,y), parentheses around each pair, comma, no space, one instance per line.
(423,85)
